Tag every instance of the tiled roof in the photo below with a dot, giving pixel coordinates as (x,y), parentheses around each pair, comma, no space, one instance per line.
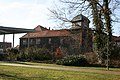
(48,33)
(40,28)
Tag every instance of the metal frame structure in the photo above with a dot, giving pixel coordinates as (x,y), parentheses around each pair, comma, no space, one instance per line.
(12,30)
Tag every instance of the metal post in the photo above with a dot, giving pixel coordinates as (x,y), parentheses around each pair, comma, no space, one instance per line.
(13,39)
(28,40)
(3,42)
(107,52)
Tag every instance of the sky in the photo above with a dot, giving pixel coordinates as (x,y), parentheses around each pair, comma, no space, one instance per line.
(24,14)
(28,14)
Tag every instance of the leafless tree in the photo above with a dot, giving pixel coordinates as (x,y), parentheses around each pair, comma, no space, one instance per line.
(98,10)
(103,13)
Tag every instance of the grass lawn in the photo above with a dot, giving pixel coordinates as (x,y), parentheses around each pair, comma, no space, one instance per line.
(94,68)
(27,73)
(44,64)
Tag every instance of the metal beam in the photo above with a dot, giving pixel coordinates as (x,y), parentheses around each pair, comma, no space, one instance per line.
(11,30)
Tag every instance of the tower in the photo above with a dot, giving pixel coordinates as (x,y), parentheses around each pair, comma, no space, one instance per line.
(80,21)
(82,33)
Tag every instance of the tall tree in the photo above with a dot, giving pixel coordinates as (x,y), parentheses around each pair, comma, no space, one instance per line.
(92,8)
(101,11)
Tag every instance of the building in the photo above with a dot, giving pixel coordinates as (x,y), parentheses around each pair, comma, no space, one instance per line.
(75,40)
(5,45)
(117,40)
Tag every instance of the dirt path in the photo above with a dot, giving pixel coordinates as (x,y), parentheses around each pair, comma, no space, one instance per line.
(63,68)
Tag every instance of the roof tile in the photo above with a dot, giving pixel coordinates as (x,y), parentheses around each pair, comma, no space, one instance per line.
(48,33)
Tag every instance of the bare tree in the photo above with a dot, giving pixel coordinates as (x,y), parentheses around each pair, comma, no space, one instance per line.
(98,10)
(66,10)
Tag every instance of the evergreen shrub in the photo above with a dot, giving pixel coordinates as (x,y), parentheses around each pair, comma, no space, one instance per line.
(73,60)
(35,54)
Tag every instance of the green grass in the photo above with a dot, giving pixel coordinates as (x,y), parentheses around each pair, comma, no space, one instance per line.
(26,73)
(44,64)
(94,68)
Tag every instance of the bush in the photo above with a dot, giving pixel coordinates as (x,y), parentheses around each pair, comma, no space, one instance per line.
(42,54)
(3,56)
(12,54)
(33,54)
(73,60)
(24,55)
(92,57)
(114,63)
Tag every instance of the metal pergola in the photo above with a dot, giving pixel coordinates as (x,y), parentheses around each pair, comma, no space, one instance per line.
(12,30)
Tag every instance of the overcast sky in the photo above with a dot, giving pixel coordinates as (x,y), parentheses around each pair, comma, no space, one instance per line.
(28,14)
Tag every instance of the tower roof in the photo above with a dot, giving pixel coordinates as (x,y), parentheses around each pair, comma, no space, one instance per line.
(79,18)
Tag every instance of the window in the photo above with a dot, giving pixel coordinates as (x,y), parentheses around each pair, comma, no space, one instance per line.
(31,41)
(49,40)
(79,24)
(24,41)
(37,41)
(61,41)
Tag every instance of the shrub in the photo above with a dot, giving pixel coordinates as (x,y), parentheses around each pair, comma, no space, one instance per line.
(24,55)
(3,56)
(42,54)
(12,53)
(33,54)
(114,63)
(92,57)
(73,60)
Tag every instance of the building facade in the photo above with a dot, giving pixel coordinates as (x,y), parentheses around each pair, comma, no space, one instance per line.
(77,39)
(4,46)
(117,40)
